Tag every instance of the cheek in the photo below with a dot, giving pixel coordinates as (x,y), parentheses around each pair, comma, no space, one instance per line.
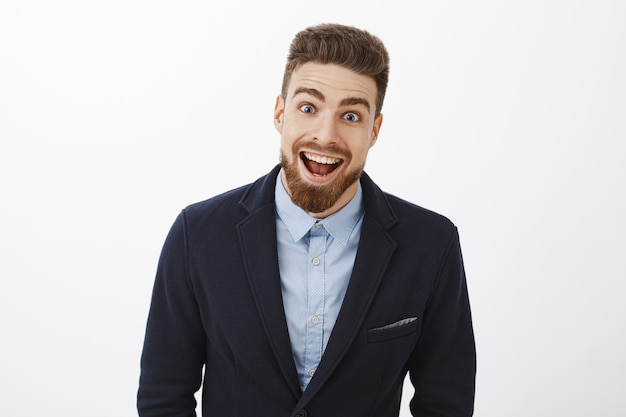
(289,136)
(361,146)
(286,146)
(360,157)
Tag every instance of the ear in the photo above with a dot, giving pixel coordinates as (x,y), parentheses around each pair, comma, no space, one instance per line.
(376,129)
(279,112)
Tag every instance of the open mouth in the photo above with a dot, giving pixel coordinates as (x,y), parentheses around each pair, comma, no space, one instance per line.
(320,165)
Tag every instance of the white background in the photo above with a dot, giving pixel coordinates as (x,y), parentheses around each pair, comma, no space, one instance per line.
(506,116)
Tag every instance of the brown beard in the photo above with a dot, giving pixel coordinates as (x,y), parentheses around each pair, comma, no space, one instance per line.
(316,198)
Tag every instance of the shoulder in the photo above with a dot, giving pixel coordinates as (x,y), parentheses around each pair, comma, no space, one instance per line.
(421,231)
(224,204)
(411,213)
(408,223)
(395,213)
(234,205)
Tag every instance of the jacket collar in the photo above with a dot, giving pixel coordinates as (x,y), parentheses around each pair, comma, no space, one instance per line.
(261,193)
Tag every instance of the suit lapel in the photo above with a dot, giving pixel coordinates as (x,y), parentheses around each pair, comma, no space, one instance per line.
(257,237)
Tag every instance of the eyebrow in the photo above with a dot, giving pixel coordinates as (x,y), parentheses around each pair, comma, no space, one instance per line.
(349,101)
(310,91)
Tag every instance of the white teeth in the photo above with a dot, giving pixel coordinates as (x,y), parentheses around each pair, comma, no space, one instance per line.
(321,159)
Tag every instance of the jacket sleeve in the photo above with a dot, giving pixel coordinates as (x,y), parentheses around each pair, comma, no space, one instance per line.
(443,366)
(174,345)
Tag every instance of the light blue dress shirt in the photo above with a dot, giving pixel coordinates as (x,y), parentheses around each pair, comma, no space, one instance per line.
(315,259)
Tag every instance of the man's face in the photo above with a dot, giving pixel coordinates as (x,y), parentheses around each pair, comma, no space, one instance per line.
(327,127)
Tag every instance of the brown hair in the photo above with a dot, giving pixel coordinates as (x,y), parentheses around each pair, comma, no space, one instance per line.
(347,46)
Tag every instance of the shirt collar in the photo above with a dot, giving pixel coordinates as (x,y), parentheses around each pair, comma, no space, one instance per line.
(339,225)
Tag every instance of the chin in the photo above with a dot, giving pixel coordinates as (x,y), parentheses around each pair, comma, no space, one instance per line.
(313,196)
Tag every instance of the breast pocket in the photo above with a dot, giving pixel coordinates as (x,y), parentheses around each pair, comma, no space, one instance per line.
(394,330)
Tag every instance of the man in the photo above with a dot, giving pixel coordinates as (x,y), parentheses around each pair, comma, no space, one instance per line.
(310,292)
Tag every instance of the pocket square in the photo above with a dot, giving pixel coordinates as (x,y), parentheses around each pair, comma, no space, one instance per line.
(396,324)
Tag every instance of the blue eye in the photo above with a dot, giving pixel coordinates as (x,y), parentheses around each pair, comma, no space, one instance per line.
(307,108)
(351,117)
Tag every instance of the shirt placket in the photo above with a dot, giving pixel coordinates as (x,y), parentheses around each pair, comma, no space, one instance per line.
(315,299)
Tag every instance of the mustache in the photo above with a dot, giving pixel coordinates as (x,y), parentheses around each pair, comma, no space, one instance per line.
(316,147)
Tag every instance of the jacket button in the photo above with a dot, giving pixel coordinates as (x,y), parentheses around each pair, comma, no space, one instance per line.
(302,413)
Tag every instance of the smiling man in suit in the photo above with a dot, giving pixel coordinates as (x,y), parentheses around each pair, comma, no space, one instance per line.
(311,292)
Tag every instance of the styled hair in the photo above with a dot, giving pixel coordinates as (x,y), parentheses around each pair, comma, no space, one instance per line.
(346,46)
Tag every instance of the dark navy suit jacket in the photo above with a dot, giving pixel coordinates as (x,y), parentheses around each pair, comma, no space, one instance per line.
(217,304)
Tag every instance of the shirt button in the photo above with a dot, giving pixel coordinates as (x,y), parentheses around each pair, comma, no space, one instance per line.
(315,320)
(316,261)
(318,225)
(311,372)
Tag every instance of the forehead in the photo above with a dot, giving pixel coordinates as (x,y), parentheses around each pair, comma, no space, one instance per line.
(333,81)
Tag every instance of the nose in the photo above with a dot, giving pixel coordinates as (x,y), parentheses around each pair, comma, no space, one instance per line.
(327,130)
